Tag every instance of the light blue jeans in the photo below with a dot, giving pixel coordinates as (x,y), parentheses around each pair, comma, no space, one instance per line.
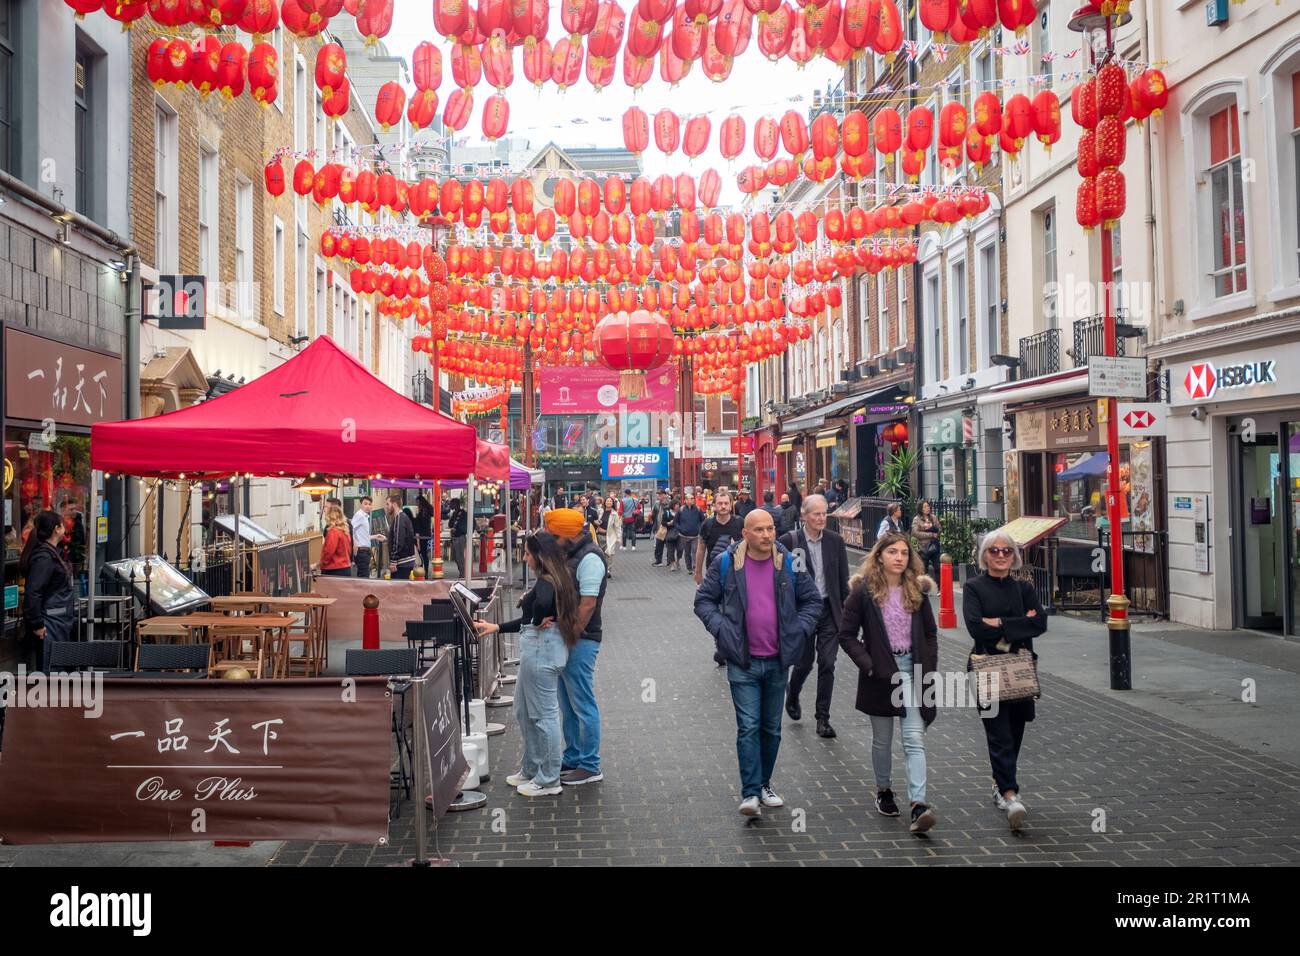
(912,732)
(578,706)
(542,656)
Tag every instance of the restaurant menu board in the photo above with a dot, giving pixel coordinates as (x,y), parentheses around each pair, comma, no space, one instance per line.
(248,531)
(168,591)
(444,756)
(201,760)
(1030,529)
(284,569)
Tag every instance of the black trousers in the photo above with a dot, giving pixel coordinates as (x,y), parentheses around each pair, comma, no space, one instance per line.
(362,558)
(686,545)
(659,550)
(825,644)
(629,533)
(1005,730)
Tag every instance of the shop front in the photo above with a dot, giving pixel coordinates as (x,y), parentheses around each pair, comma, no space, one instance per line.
(1234,500)
(878,431)
(792,462)
(53,393)
(768,465)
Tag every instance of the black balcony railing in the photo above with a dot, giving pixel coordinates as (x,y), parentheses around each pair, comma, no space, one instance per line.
(1090,337)
(1040,353)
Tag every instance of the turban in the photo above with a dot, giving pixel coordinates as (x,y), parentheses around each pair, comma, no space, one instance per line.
(565,522)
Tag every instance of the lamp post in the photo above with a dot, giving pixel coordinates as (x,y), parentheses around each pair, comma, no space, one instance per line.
(1098,31)
(440,227)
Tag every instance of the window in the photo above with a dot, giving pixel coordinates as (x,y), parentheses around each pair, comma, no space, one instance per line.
(823,358)
(1117,268)
(82,131)
(322,295)
(277,267)
(277,41)
(319,124)
(934,324)
(1295,160)
(366,335)
(299,105)
(1227,207)
(882,313)
(837,358)
(8,99)
(1047,242)
(930,175)
(244,249)
(987,298)
(300,273)
(166,223)
(956,93)
(209,242)
(959,317)
(924,38)
(1041,44)
(730,417)
(864,317)
(983,78)
(902,277)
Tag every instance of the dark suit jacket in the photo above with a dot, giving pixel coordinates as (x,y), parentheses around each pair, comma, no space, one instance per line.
(835,565)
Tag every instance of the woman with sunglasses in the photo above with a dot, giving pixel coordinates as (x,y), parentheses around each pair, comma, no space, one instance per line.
(897,656)
(548,628)
(1003,615)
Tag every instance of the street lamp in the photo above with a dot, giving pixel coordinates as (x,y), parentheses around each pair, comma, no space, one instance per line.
(1098,28)
(439,227)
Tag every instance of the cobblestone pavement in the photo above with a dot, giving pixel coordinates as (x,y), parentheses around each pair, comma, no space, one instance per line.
(1106,783)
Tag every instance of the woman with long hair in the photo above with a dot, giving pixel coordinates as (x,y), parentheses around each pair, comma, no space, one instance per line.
(548,628)
(49,611)
(613,532)
(925,529)
(423,530)
(1003,615)
(336,552)
(888,629)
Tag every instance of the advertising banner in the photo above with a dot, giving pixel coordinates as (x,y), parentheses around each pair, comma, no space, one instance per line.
(583,391)
(639,463)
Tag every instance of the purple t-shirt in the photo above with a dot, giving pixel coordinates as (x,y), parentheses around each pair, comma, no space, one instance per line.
(760,615)
(898,621)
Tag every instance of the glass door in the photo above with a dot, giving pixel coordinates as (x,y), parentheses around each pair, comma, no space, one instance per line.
(1260,534)
(1291,504)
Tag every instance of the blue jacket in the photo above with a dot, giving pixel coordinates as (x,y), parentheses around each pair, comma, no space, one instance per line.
(689,520)
(721,606)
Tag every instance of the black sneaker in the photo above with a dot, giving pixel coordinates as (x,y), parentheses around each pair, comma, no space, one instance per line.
(922,818)
(885,804)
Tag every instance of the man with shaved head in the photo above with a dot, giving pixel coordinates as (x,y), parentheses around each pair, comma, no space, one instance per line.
(761,611)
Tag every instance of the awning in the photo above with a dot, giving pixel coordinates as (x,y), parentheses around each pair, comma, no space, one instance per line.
(1093,466)
(818,418)
(1032,390)
(827,437)
(787,444)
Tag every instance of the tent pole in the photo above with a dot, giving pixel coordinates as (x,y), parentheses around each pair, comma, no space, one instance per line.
(92,545)
(470,531)
(528,521)
(505,543)
(237,575)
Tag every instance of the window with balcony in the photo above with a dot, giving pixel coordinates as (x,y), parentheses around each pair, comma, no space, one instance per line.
(1227,205)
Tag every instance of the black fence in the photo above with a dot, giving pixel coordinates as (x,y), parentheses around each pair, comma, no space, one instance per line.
(874,510)
(1076,576)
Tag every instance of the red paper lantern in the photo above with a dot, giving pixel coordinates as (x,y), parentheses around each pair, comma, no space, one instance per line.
(1151,90)
(423,109)
(496,116)
(331,69)
(389,104)
(889,31)
(451,17)
(636,130)
(667,131)
(1083,104)
(887,131)
(1110,83)
(937,16)
(776,33)
(1047,118)
(696,138)
(825,136)
(1085,205)
(375,19)
(459,107)
(1110,196)
(426,66)
(731,137)
(794,133)
(1018,119)
(710,188)
(633,343)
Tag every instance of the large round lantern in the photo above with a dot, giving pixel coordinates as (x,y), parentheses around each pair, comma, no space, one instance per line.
(633,343)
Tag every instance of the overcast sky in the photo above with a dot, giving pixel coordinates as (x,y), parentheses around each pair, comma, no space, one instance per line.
(756,87)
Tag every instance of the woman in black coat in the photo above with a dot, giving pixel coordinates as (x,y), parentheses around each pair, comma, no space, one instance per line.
(1003,615)
(887,605)
(49,611)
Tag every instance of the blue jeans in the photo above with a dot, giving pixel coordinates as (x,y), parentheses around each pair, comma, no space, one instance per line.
(542,656)
(912,731)
(758,694)
(578,707)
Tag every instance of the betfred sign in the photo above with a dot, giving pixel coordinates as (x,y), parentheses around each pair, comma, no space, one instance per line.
(1204,380)
(616,463)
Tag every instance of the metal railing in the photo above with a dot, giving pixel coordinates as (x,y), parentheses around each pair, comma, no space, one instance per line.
(1076,576)
(1040,353)
(1090,338)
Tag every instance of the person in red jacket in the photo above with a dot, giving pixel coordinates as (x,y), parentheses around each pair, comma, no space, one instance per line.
(336,553)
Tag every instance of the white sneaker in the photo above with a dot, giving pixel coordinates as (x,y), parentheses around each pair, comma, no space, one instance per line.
(518,779)
(533,789)
(1001,802)
(1015,813)
(770,798)
(749,807)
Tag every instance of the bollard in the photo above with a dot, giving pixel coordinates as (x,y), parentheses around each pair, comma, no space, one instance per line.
(1121,655)
(947,606)
(370,623)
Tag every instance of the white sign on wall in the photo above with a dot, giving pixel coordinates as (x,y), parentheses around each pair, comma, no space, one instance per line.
(1142,419)
(1115,376)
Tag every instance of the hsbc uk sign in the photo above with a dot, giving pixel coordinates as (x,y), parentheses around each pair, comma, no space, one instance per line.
(1204,379)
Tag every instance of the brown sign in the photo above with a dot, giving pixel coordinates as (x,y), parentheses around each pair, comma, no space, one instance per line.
(1031,431)
(444,757)
(178,760)
(45,379)
(1072,426)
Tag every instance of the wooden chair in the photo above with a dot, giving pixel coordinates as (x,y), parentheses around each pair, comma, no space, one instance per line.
(235,646)
(304,630)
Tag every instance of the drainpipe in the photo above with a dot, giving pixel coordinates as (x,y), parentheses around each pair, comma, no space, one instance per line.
(131,383)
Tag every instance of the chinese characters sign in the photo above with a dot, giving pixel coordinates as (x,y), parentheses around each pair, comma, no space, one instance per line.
(202,760)
(1072,426)
(45,379)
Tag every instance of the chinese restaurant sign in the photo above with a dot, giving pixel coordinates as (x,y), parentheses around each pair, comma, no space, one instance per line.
(306,759)
(583,391)
(1072,426)
(46,379)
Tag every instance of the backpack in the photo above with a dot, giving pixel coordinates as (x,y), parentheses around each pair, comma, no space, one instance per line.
(725,568)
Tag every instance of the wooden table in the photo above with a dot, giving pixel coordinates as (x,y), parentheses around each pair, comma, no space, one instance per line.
(240,602)
(269,624)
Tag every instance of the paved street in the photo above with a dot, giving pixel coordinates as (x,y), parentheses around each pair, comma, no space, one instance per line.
(1107,783)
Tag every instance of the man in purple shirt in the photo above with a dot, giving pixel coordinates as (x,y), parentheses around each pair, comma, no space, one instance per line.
(760,611)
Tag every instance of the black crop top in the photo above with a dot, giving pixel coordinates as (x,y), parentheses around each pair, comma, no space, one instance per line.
(537,605)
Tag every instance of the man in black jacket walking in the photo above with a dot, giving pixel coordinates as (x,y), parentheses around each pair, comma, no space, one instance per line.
(827,561)
(401,539)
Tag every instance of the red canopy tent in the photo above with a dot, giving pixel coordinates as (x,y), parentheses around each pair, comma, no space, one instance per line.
(320,413)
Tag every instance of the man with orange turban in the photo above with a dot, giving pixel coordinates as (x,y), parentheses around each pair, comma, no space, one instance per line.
(580,715)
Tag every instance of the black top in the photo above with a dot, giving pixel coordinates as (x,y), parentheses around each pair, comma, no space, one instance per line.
(537,605)
(1004,598)
(459,522)
(713,531)
(401,537)
(48,584)
(423,523)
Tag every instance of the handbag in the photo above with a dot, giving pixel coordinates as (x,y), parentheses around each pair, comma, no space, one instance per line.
(661,534)
(1004,677)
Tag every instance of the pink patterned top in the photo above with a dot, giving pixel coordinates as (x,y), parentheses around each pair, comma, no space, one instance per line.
(898,621)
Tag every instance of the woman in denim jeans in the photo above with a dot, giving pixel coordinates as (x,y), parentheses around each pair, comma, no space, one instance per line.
(548,627)
(897,656)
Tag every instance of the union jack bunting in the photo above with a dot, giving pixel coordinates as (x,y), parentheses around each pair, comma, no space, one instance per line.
(1021,47)
(909,48)
(941,52)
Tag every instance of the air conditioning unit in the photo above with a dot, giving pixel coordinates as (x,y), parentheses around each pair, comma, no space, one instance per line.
(905,356)
(871,371)
(851,374)
(888,362)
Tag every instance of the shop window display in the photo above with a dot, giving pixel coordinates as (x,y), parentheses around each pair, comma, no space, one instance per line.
(1079,491)
(42,476)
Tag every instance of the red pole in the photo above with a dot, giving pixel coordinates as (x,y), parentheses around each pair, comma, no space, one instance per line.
(947,605)
(435,567)
(740,432)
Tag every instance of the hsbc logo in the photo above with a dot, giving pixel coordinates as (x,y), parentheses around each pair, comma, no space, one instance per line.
(1139,419)
(1203,379)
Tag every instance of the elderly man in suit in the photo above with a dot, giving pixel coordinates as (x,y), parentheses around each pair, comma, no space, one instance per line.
(827,562)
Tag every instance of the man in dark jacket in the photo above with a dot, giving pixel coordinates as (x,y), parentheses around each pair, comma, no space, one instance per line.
(401,539)
(822,553)
(459,524)
(772,509)
(689,521)
(761,611)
